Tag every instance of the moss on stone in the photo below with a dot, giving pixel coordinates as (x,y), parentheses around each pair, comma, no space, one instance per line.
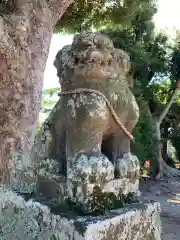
(100,202)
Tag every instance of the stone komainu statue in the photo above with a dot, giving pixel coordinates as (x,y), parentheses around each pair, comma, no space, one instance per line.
(97,111)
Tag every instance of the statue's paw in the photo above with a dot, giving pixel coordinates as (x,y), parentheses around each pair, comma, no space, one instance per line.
(121,168)
(128,166)
(90,169)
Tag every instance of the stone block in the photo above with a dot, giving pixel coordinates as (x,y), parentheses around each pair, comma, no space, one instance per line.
(52,188)
(22,177)
(31,220)
(81,193)
(128,166)
(58,188)
(90,169)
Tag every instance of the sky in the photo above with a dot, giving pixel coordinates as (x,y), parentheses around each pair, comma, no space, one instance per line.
(167,18)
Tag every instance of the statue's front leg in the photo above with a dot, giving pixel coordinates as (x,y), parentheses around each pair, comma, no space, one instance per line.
(87,118)
(126,164)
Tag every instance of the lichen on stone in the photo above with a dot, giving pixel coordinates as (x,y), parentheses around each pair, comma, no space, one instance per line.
(85,169)
(23,177)
(128,166)
(99,202)
(31,220)
(49,165)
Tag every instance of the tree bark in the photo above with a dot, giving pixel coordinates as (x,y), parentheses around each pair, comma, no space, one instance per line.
(164,169)
(25,36)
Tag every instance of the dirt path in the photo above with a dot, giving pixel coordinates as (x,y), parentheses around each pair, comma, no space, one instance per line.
(167,192)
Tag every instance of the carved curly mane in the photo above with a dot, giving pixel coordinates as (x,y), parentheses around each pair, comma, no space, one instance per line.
(90,59)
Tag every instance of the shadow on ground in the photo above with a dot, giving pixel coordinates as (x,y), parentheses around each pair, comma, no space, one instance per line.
(167,192)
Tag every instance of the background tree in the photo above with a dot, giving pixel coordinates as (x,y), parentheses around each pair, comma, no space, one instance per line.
(82,15)
(153,59)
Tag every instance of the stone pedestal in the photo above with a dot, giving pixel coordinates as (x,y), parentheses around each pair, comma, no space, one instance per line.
(59,188)
(78,187)
(135,221)
(22,173)
(31,220)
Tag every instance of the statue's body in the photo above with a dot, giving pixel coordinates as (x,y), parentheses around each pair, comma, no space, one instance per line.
(88,132)
(84,122)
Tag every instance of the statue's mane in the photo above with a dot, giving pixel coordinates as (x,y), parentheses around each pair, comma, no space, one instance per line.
(90,52)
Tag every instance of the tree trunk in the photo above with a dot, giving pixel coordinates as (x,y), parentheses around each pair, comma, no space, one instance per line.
(164,169)
(165,150)
(25,37)
(167,157)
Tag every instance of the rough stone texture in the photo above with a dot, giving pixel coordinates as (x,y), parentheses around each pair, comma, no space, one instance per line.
(91,169)
(50,183)
(30,220)
(139,222)
(128,166)
(82,193)
(56,187)
(52,188)
(48,166)
(25,37)
(83,139)
(23,176)
(82,122)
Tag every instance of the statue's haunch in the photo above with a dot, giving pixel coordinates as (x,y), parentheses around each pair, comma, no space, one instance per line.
(116,118)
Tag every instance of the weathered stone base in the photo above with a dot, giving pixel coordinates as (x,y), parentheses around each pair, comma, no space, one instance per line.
(59,188)
(31,220)
(22,177)
(81,193)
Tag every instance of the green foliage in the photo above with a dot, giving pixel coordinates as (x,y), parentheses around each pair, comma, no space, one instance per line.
(144,144)
(149,55)
(153,61)
(176,144)
(83,14)
(149,58)
(161,91)
(49,98)
(50,91)
(176,65)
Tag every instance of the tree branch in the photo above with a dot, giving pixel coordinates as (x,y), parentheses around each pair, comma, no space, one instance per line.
(165,111)
(54,8)
(144,105)
(58,7)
